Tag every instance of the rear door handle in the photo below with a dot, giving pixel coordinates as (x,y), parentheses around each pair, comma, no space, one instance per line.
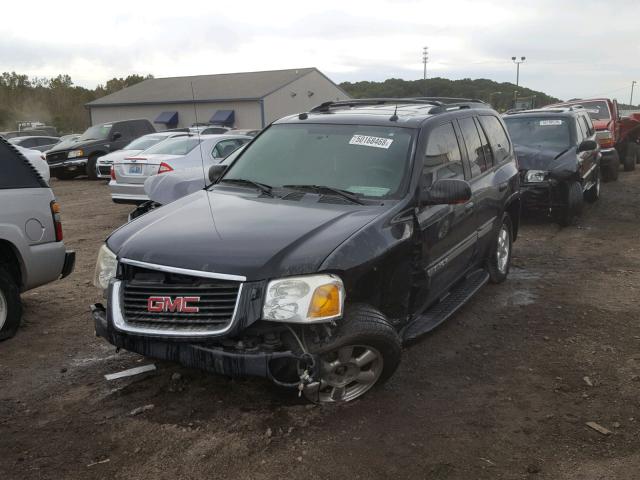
(503,186)
(469,206)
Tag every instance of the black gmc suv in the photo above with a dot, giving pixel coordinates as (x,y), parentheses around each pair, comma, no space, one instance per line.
(558,158)
(78,157)
(333,238)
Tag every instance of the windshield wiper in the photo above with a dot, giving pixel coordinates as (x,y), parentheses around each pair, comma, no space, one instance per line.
(346,194)
(264,188)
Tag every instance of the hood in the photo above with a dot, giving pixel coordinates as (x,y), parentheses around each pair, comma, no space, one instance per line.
(224,231)
(559,162)
(75,144)
(167,187)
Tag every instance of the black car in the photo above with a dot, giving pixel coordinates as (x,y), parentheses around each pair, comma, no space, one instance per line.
(558,158)
(333,238)
(79,156)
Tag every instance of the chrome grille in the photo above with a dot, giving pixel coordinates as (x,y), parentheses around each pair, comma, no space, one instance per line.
(145,289)
(56,157)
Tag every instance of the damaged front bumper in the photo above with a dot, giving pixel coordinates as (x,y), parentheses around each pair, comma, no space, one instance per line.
(202,355)
(539,195)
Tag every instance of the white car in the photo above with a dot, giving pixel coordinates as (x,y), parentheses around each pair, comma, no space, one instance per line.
(103,165)
(181,153)
(35,159)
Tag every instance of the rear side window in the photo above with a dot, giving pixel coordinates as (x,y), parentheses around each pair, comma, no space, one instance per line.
(498,138)
(442,157)
(486,148)
(581,130)
(475,148)
(16,171)
(587,125)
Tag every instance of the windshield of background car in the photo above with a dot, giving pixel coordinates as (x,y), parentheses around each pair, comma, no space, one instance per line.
(174,146)
(97,132)
(370,161)
(597,110)
(539,132)
(145,142)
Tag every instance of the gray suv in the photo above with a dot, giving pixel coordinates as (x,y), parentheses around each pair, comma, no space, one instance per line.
(31,249)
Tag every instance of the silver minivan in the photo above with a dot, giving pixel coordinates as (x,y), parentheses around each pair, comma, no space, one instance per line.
(32,252)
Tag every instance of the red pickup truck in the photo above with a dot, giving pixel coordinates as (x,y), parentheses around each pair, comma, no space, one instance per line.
(614,134)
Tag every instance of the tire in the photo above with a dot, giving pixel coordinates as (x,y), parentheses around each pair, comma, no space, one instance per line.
(574,203)
(630,160)
(364,334)
(92,173)
(611,171)
(63,174)
(499,261)
(10,305)
(593,194)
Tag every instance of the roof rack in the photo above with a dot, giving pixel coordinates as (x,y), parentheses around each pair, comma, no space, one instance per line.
(440,104)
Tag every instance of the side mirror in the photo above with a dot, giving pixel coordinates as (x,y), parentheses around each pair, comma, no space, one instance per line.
(216,171)
(446,192)
(115,136)
(587,145)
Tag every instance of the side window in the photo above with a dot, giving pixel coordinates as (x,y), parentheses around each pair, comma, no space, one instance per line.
(474,146)
(224,148)
(580,130)
(486,148)
(16,171)
(442,157)
(498,138)
(588,129)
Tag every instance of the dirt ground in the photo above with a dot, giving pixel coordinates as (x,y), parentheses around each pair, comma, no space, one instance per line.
(501,391)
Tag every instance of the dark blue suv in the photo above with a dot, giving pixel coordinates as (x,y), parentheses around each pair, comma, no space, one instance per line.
(336,236)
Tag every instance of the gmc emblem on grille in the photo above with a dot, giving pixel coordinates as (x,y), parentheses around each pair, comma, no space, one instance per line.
(178,304)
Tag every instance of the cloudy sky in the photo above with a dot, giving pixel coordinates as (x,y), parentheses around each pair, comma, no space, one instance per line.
(574,48)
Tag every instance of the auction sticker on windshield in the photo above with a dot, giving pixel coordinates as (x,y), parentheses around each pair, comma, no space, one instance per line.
(550,122)
(367,141)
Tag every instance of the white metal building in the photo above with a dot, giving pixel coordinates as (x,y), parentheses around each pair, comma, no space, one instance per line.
(240,100)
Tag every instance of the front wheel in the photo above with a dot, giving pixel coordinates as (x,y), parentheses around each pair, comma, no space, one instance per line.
(574,202)
(92,165)
(10,306)
(364,352)
(499,260)
(593,194)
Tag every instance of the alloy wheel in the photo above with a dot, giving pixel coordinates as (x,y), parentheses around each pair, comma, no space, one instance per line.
(345,374)
(4,309)
(502,254)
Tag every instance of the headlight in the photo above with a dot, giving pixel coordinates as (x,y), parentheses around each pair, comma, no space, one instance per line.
(75,153)
(308,299)
(534,176)
(106,266)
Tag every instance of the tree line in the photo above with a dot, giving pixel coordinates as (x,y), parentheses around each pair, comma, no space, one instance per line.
(500,95)
(54,101)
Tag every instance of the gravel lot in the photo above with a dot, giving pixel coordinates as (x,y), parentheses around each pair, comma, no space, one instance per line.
(498,392)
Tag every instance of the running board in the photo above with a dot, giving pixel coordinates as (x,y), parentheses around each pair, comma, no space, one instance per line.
(446,307)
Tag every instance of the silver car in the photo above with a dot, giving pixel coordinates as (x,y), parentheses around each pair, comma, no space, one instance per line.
(32,252)
(174,154)
(103,165)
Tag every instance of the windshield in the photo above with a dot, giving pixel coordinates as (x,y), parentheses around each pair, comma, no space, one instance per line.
(145,142)
(366,160)
(597,110)
(97,132)
(539,132)
(174,146)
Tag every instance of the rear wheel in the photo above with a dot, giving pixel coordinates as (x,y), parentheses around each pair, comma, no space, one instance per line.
(499,260)
(574,202)
(364,352)
(92,164)
(10,306)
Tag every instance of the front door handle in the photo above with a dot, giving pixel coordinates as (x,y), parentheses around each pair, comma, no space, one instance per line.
(503,186)
(468,207)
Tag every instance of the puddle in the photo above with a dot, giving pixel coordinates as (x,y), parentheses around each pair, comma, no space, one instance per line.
(520,298)
(518,273)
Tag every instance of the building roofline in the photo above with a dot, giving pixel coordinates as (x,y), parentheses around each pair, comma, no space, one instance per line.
(188,101)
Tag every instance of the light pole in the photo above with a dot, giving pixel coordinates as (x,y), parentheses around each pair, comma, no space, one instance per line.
(517,62)
(633,84)
(425,60)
